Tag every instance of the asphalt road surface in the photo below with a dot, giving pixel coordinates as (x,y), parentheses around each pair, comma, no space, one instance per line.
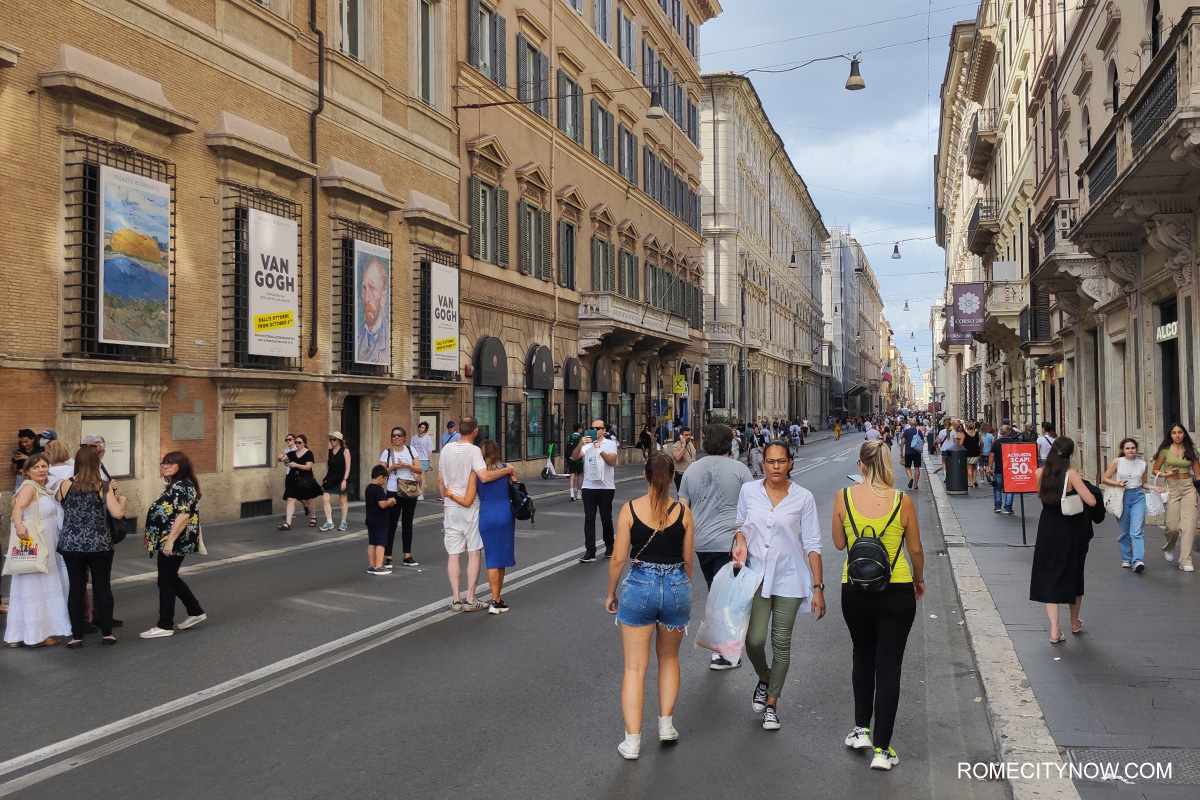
(312,679)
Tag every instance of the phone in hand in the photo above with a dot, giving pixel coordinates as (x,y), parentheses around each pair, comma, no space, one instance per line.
(597,435)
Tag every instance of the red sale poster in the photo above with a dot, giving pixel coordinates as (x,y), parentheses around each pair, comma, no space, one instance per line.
(1019,462)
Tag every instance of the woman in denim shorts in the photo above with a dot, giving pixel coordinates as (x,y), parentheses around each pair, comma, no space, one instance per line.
(657,594)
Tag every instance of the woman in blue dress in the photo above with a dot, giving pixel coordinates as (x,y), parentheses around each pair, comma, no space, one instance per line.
(496,524)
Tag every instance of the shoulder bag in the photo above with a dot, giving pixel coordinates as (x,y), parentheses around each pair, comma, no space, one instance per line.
(116,525)
(404,487)
(1114,500)
(31,555)
(1073,505)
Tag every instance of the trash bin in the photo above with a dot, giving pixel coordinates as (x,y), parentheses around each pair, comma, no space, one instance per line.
(956,470)
(931,441)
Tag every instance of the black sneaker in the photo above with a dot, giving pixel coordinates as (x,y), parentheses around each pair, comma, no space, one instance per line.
(759,702)
(910,484)
(608,553)
(770,719)
(588,558)
(410,562)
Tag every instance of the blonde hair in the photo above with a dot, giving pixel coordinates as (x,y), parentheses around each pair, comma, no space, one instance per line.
(57,452)
(877,464)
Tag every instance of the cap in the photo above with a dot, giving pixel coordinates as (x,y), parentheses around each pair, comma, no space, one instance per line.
(450,424)
(48,434)
(337,435)
(1004,421)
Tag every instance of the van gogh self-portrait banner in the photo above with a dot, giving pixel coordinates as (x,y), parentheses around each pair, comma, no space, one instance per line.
(273,290)
(372,304)
(134,269)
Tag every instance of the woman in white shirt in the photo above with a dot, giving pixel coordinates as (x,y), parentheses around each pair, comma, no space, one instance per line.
(422,445)
(1129,473)
(404,467)
(779,537)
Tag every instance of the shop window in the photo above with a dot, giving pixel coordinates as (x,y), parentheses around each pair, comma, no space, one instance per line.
(131,319)
(512,432)
(362,299)
(251,440)
(535,423)
(429,365)
(245,281)
(487,399)
(626,419)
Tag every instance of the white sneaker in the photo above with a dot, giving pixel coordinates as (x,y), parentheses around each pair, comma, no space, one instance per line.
(631,747)
(666,729)
(156,633)
(859,739)
(190,621)
(884,759)
(1126,565)
(1187,568)
(1169,555)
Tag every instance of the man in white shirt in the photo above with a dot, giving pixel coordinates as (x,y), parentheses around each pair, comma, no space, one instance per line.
(872,432)
(599,487)
(460,524)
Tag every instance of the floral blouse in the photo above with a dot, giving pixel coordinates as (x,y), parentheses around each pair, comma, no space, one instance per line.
(178,498)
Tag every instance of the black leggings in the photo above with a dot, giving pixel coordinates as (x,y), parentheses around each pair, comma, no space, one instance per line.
(401,513)
(78,565)
(879,626)
(171,586)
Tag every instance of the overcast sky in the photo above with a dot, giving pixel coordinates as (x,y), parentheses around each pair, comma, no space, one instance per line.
(878,142)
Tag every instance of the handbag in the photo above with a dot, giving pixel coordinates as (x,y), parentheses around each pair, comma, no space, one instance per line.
(1070,506)
(200,548)
(1156,502)
(31,555)
(117,529)
(404,487)
(1114,500)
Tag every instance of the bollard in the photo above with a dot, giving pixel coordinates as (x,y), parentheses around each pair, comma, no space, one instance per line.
(956,471)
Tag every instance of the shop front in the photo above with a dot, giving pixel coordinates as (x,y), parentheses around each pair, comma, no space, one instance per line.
(539,385)
(491,376)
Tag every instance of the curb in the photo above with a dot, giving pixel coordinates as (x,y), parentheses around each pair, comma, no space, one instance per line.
(1018,725)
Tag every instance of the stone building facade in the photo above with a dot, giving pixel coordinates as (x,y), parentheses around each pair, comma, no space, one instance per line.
(855,338)
(762,263)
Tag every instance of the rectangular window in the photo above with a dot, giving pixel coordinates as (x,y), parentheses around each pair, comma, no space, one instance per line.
(351,17)
(693,38)
(627,154)
(512,432)
(535,241)
(627,41)
(603,135)
(251,433)
(566,254)
(570,107)
(426,62)
(427,290)
(117,433)
(487,43)
(363,287)
(489,222)
(533,77)
(604,265)
(628,275)
(577,5)
(604,20)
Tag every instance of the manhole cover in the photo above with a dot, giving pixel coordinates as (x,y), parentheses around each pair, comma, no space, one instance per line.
(1165,765)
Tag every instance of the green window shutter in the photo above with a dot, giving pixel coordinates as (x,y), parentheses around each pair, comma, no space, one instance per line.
(501,227)
(524,79)
(525,263)
(473,32)
(501,44)
(635,282)
(633,148)
(563,88)
(543,61)
(562,253)
(577,93)
(597,257)
(621,147)
(596,129)
(547,269)
(473,202)
(610,275)
(608,138)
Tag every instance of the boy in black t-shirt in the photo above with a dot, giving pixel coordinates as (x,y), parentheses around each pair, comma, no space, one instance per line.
(377,502)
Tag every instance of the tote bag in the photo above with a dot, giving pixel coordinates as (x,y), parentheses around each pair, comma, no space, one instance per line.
(1114,500)
(1156,504)
(31,555)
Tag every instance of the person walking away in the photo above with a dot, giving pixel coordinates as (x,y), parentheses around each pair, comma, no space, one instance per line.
(599,487)
(683,453)
(404,473)
(656,598)
(645,442)
(451,434)
(62,466)
(1128,473)
(988,437)
(973,444)
(779,535)
(37,601)
(337,478)
(497,527)
(1062,540)
(422,445)
(1045,442)
(574,465)
(172,533)
(1176,461)
(300,483)
(460,462)
(914,441)
(879,622)
(945,438)
(377,504)
(86,543)
(710,490)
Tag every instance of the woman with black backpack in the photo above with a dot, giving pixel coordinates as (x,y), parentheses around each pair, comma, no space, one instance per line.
(880,590)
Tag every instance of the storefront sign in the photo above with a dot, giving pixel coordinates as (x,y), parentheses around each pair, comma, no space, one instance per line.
(443,322)
(118,442)
(372,304)
(679,384)
(953,335)
(1019,462)
(250,441)
(1165,332)
(273,290)
(968,307)
(135,267)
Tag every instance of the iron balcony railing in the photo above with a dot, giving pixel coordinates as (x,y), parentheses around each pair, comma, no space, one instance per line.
(1156,106)
(986,211)
(1103,171)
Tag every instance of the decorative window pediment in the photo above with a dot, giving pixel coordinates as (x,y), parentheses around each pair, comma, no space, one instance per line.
(487,149)
(531,27)
(239,139)
(571,204)
(629,234)
(534,183)
(603,220)
(9,54)
(1112,26)
(602,92)
(569,62)
(651,243)
(343,179)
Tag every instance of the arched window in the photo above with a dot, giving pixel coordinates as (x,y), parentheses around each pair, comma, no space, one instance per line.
(1156,33)
(1114,81)
(1087,131)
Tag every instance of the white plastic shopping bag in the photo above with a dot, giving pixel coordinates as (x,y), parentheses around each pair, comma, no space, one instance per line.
(727,615)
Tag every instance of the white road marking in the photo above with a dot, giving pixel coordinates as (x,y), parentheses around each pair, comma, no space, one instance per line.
(360,596)
(301,601)
(358,642)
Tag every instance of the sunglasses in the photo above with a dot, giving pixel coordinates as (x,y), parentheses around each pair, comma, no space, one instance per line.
(397,435)
(289,439)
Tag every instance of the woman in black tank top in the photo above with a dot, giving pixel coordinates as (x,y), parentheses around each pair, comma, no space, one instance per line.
(659,537)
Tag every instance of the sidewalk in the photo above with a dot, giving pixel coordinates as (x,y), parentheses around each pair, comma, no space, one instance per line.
(1124,691)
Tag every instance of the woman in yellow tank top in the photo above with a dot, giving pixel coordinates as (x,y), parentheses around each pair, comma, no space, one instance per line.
(879,622)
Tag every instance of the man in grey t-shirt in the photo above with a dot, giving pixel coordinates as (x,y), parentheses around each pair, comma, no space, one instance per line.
(710,488)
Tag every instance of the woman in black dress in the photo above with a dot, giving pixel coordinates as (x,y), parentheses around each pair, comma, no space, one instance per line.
(1062,541)
(300,483)
(973,444)
(646,442)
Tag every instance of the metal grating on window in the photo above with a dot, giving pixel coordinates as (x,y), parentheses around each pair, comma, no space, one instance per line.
(424,255)
(345,231)
(235,275)
(81,277)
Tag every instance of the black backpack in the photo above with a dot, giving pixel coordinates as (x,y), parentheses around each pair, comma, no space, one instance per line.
(521,502)
(867,565)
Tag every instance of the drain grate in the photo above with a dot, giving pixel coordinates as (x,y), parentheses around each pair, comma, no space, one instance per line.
(1160,765)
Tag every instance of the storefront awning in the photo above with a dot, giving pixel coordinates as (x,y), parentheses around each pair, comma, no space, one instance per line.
(572,375)
(540,374)
(491,363)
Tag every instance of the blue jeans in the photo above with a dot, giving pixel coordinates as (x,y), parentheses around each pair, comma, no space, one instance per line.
(654,593)
(998,493)
(1132,523)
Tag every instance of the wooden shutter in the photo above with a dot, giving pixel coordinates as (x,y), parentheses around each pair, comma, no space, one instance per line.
(610,274)
(562,101)
(621,153)
(547,268)
(473,202)
(633,148)
(634,278)
(525,263)
(609,121)
(500,45)
(501,227)
(596,128)
(543,84)
(564,254)
(524,79)
(597,257)
(473,32)
(577,110)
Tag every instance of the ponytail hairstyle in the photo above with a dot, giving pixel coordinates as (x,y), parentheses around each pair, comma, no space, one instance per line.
(1054,473)
(876,464)
(659,472)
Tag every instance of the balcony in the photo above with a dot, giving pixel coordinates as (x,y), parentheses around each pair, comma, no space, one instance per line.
(1149,155)
(985,224)
(983,51)
(983,143)
(1036,340)
(627,321)
(1001,318)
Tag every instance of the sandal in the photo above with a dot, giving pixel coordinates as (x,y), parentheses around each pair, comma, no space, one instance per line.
(1079,629)
(1062,637)
(287,526)
(312,522)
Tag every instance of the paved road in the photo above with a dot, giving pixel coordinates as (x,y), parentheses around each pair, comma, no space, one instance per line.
(313,679)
